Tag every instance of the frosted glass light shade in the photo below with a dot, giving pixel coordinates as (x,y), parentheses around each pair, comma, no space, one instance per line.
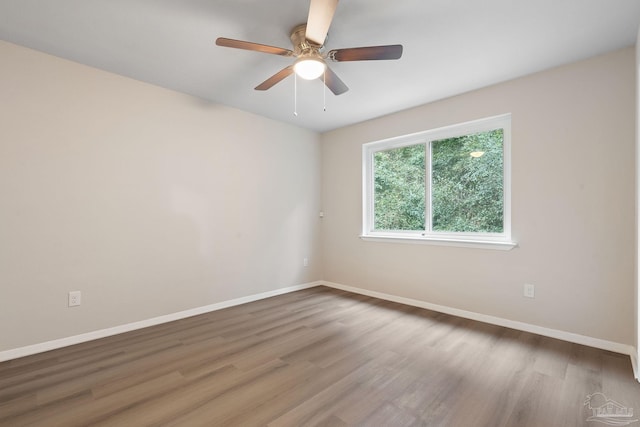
(309,68)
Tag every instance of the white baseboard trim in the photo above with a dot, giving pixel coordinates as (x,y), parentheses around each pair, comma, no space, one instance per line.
(513,324)
(548,332)
(634,364)
(102,333)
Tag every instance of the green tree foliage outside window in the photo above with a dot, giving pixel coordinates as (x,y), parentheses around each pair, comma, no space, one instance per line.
(399,192)
(466,190)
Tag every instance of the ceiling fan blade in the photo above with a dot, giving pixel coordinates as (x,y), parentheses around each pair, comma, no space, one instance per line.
(366,53)
(319,20)
(239,44)
(334,83)
(276,78)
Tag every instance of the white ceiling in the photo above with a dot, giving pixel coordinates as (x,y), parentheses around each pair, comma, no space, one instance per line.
(450,46)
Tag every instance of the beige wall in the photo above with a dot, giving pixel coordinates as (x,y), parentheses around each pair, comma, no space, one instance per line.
(572,202)
(148,201)
(637,259)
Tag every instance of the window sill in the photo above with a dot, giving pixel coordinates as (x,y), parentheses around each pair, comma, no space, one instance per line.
(478,244)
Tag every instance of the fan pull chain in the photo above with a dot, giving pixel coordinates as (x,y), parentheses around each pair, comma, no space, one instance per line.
(295,94)
(324,90)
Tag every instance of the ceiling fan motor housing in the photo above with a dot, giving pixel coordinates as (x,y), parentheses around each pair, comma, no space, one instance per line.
(302,46)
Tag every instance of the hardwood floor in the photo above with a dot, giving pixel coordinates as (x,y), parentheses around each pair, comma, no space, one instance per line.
(318,357)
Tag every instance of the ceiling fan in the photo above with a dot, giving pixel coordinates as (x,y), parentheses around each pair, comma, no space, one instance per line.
(308,42)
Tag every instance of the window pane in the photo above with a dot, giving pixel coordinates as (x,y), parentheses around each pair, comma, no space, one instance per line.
(467,183)
(399,188)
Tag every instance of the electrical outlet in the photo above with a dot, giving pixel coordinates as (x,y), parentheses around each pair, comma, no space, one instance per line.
(529,290)
(305,262)
(75,298)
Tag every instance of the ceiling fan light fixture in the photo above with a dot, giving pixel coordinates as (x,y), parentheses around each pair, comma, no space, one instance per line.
(309,68)
(308,40)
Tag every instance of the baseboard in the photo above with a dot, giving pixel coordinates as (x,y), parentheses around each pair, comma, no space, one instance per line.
(521,326)
(102,333)
(634,364)
(548,332)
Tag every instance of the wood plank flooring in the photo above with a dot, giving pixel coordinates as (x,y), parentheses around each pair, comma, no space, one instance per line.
(318,357)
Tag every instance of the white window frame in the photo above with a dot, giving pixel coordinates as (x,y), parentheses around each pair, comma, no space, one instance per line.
(480,240)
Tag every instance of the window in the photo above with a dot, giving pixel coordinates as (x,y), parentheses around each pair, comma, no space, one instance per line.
(447,186)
